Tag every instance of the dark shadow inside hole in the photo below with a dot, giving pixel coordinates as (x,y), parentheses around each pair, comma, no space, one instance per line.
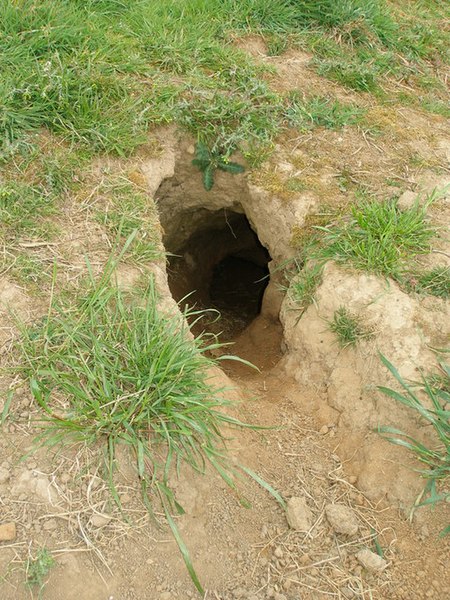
(223,266)
(237,285)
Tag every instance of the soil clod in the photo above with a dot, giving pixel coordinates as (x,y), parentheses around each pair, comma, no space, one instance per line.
(342,519)
(298,514)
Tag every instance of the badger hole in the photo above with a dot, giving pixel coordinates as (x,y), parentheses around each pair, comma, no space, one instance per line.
(220,265)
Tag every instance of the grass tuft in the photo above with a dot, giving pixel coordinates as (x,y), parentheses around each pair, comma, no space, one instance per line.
(436,414)
(22,208)
(321,112)
(435,282)
(304,284)
(380,237)
(110,368)
(348,328)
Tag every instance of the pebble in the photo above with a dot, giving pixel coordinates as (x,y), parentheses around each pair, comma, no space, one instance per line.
(304,559)
(278,552)
(298,514)
(8,532)
(324,430)
(371,561)
(342,518)
(100,520)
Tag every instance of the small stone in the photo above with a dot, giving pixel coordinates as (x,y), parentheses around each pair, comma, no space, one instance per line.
(278,552)
(7,532)
(324,430)
(352,479)
(304,559)
(280,597)
(4,476)
(191,149)
(371,561)
(298,514)
(50,525)
(100,520)
(342,519)
(347,592)
(166,596)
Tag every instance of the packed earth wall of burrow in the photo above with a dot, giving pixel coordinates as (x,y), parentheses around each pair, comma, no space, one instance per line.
(202,228)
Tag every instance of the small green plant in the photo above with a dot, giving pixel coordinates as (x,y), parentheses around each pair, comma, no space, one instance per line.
(436,414)
(354,75)
(435,282)
(38,568)
(348,328)
(209,161)
(377,237)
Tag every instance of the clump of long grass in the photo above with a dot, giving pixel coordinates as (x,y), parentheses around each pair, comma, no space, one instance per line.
(435,282)
(110,368)
(379,237)
(436,414)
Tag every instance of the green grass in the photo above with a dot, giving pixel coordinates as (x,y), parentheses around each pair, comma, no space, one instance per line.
(379,237)
(351,74)
(101,73)
(129,209)
(348,328)
(38,568)
(22,210)
(110,369)
(436,416)
(435,282)
(321,112)
(304,284)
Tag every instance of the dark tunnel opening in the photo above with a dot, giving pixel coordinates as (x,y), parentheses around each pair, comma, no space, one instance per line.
(221,265)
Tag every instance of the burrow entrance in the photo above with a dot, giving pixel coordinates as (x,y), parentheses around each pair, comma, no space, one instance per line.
(221,265)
